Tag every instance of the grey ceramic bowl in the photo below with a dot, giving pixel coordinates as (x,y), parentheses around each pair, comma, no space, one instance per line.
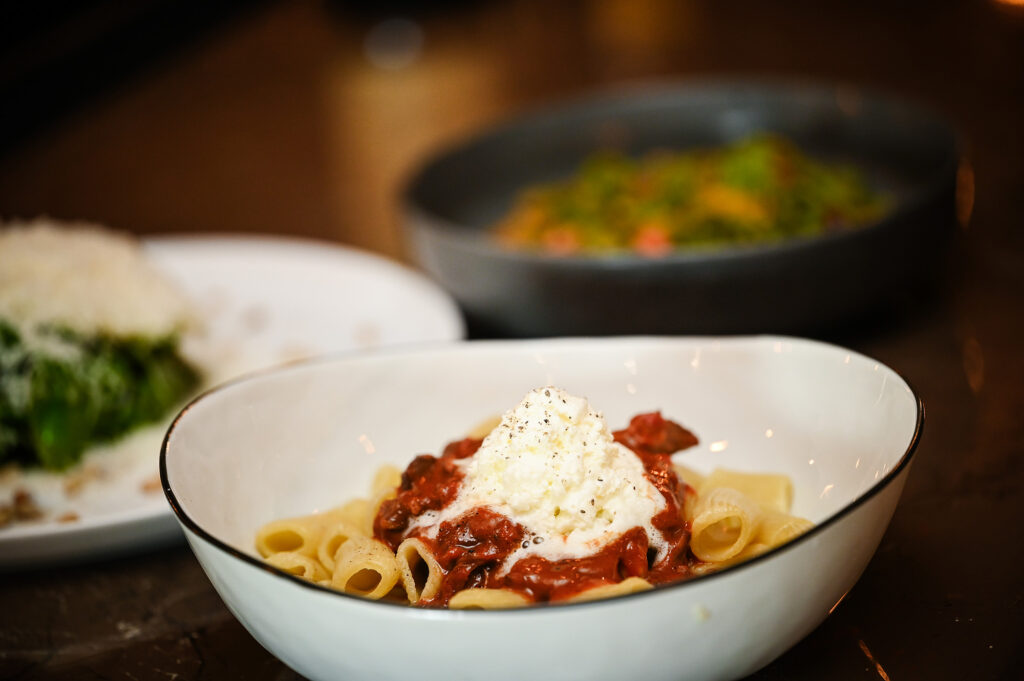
(793,285)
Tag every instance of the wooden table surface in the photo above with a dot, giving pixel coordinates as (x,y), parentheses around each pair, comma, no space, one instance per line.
(303,119)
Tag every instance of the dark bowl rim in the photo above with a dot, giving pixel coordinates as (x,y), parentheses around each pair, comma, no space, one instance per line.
(191,525)
(417,217)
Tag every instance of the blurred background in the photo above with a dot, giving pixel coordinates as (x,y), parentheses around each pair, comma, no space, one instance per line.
(305,117)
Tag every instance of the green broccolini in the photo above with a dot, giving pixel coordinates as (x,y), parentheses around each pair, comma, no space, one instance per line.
(65,391)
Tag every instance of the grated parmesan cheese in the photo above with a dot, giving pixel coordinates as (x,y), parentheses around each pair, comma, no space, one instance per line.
(86,278)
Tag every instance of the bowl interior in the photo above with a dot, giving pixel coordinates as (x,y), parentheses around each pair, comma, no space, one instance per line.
(902,148)
(310,436)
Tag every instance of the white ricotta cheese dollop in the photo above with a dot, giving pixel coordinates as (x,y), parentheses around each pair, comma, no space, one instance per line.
(552,466)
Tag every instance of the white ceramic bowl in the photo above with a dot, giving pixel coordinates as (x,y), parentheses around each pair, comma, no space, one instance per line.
(309,436)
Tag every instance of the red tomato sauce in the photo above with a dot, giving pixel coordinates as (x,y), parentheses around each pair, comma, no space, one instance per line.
(472,547)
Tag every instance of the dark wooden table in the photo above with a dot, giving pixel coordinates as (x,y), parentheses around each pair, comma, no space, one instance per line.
(283,123)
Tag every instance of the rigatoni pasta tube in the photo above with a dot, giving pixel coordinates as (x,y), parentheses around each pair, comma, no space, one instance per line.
(775,529)
(298,565)
(331,541)
(297,535)
(365,567)
(768,490)
(421,573)
(751,550)
(385,480)
(626,586)
(487,599)
(779,528)
(724,522)
(358,514)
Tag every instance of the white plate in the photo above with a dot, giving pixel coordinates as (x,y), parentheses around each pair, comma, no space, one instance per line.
(263,301)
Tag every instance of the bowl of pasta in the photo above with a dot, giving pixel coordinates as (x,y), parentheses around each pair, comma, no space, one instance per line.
(561,509)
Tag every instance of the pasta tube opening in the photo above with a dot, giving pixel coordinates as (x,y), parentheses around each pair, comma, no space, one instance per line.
(725,521)
(331,542)
(363,581)
(421,573)
(287,536)
(365,567)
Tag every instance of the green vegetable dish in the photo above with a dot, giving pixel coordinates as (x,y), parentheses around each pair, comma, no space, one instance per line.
(67,391)
(758,190)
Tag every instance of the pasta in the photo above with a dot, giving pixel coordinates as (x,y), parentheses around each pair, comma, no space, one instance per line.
(358,514)
(299,535)
(331,541)
(779,528)
(487,599)
(365,567)
(724,522)
(627,586)
(421,573)
(406,542)
(737,516)
(299,565)
(768,490)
